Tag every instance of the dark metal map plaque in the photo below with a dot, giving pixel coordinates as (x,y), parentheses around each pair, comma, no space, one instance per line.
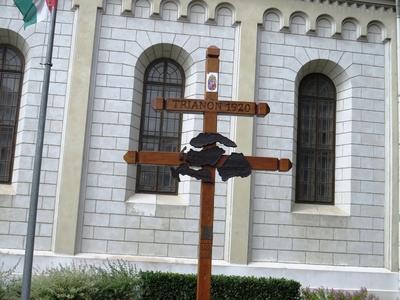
(184,169)
(205,157)
(235,165)
(205,139)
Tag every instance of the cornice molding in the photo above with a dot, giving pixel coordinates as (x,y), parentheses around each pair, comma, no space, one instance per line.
(379,6)
(385,5)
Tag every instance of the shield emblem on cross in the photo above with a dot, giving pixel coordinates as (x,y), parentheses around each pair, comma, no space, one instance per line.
(212,82)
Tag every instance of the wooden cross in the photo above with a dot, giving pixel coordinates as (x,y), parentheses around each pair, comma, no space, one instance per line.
(210,107)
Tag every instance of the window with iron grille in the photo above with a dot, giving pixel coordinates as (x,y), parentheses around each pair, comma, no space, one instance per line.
(160,130)
(11,72)
(315,172)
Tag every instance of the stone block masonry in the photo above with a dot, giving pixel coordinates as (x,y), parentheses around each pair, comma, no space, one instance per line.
(31,43)
(115,218)
(343,233)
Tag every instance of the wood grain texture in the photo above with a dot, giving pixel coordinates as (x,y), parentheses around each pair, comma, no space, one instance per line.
(175,159)
(204,266)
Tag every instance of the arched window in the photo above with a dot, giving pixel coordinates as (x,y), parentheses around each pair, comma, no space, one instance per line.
(11,72)
(315,175)
(160,131)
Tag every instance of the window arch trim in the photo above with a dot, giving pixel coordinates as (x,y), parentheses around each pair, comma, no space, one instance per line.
(319,100)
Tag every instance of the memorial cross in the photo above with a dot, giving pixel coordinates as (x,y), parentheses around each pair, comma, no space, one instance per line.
(210,107)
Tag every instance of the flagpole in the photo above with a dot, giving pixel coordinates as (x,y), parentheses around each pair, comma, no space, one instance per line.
(30,237)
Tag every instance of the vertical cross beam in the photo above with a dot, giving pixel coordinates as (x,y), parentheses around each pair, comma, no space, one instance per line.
(209,107)
(207,191)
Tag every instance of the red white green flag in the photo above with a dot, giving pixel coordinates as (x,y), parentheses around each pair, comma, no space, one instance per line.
(35,11)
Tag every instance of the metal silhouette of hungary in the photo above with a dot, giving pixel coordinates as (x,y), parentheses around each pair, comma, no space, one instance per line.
(184,169)
(235,165)
(205,157)
(205,139)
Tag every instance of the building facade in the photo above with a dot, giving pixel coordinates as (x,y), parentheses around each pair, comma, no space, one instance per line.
(328,71)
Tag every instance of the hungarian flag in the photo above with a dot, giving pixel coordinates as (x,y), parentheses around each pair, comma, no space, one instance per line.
(34,11)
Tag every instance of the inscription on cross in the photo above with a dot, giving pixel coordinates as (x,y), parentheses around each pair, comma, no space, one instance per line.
(193,106)
(209,158)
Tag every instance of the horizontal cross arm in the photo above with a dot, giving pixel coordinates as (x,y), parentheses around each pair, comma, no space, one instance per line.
(153,158)
(176,158)
(233,108)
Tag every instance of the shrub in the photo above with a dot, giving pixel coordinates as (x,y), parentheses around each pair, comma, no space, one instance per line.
(120,281)
(64,283)
(3,276)
(7,282)
(116,281)
(124,283)
(157,286)
(326,294)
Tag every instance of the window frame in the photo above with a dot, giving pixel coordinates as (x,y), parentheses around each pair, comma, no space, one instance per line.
(146,84)
(18,104)
(318,98)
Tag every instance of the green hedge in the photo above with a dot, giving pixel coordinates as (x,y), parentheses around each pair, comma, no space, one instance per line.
(120,281)
(165,286)
(157,285)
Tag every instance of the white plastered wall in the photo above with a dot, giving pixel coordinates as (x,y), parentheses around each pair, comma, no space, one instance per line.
(350,232)
(14,198)
(115,219)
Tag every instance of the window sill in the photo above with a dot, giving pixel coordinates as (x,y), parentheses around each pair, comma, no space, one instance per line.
(146,204)
(318,209)
(7,189)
